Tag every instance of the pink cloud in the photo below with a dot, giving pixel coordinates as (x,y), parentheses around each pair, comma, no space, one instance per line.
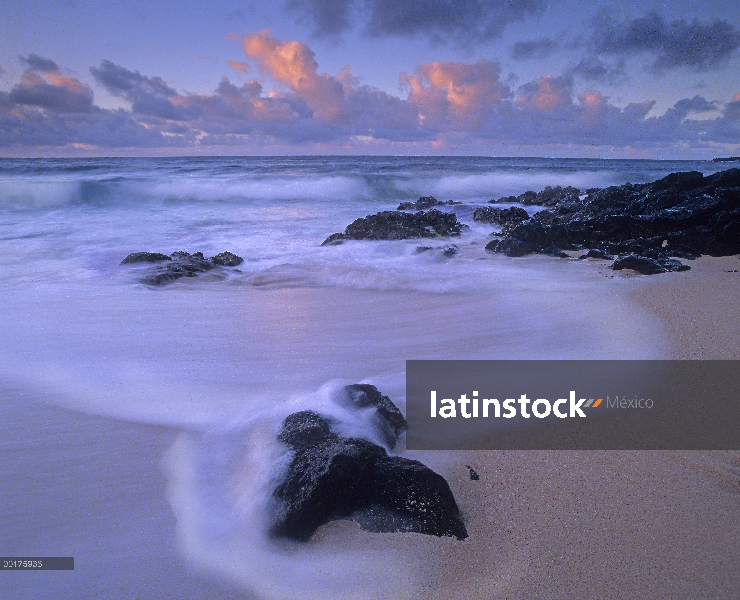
(293,64)
(53,91)
(592,99)
(242,67)
(463,92)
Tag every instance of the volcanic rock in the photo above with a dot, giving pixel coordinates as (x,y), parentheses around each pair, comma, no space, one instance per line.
(648,266)
(597,253)
(331,478)
(387,419)
(139,257)
(180,264)
(682,215)
(422,203)
(503,216)
(550,196)
(396,225)
(227,259)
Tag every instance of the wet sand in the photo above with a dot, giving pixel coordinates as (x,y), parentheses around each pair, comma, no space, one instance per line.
(542,524)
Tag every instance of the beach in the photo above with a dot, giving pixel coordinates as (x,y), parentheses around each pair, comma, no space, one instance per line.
(141,422)
(541,524)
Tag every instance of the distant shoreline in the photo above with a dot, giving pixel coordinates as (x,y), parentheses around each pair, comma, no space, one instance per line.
(727,159)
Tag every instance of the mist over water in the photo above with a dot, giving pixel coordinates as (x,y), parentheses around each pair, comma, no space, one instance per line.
(225,357)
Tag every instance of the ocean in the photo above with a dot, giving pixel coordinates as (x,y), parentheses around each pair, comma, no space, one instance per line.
(220,359)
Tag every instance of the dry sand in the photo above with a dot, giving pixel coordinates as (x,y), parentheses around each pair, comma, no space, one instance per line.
(651,524)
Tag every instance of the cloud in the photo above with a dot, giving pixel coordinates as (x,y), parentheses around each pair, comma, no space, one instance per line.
(293,64)
(52,91)
(528,50)
(547,93)
(447,107)
(697,104)
(328,17)
(459,93)
(148,95)
(592,68)
(242,67)
(680,43)
(34,62)
(440,20)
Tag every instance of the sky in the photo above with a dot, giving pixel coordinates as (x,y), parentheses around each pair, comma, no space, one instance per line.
(563,78)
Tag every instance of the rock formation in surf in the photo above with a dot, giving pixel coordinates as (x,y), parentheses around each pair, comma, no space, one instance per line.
(423,203)
(682,215)
(179,264)
(331,477)
(396,225)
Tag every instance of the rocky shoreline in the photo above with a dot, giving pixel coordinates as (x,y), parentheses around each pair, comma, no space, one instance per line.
(647,227)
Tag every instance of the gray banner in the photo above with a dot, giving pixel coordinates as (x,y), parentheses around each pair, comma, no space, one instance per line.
(37,563)
(573,405)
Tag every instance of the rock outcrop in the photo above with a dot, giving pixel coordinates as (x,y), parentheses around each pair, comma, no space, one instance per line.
(423,203)
(506,217)
(331,477)
(396,225)
(550,196)
(179,264)
(682,215)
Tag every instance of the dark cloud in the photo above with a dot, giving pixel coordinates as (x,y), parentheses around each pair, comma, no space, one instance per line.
(128,84)
(456,21)
(34,62)
(449,20)
(541,48)
(697,104)
(148,95)
(53,92)
(592,68)
(328,17)
(680,43)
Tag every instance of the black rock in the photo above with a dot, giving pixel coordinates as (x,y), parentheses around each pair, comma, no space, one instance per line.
(422,203)
(149,257)
(641,264)
(492,246)
(348,478)
(396,225)
(503,216)
(510,247)
(550,196)
(450,250)
(388,420)
(597,253)
(683,215)
(648,266)
(227,259)
(473,474)
(182,266)
(179,264)
(487,214)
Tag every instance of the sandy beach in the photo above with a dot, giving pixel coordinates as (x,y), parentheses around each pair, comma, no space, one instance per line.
(560,524)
